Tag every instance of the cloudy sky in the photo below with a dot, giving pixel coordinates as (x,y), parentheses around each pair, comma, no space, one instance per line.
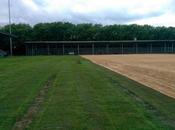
(152,12)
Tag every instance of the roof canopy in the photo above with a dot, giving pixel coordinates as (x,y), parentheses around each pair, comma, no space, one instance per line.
(8,35)
(76,42)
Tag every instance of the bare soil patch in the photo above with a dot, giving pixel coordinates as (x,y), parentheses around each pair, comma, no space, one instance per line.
(26,120)
(156,71)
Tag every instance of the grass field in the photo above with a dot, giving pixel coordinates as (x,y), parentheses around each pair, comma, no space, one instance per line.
(82,95)
(153,70)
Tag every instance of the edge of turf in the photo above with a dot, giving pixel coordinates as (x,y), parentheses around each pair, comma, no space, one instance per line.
(166,119)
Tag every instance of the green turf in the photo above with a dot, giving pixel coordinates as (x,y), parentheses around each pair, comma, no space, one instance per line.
(83,96)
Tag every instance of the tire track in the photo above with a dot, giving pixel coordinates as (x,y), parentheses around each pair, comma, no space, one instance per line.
(28,117)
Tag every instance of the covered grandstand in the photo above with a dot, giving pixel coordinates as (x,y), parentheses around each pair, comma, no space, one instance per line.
(99,47)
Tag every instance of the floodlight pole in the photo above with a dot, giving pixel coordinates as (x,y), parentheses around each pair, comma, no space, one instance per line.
(10,29)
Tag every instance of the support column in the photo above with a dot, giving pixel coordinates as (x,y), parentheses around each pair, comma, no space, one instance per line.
(78,48)
(48,49)
(56,48)
(93,48)
(165,48)
(136,48)
(122,49)
(32,50)
(172,47)
(63,49)
(107,48)
(151,48)
(26,49)
(36,49)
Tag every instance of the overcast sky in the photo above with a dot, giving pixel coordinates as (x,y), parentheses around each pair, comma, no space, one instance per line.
(152,12)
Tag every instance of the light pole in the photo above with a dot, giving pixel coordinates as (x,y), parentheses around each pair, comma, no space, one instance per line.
(10,29)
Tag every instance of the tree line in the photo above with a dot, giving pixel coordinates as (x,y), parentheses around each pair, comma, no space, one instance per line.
(64,31)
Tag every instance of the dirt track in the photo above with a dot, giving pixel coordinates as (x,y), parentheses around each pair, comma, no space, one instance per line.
(155,71)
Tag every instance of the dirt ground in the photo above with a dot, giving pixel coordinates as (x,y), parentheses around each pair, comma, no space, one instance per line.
(156,71)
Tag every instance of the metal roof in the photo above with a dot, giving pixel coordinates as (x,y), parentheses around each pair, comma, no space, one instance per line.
(8,35)
(76,42)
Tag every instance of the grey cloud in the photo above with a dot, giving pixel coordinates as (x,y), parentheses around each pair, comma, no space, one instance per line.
(108,17)
(23,14)
(3,11)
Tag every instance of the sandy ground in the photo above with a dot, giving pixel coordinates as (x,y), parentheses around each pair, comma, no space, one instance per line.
(155,71)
